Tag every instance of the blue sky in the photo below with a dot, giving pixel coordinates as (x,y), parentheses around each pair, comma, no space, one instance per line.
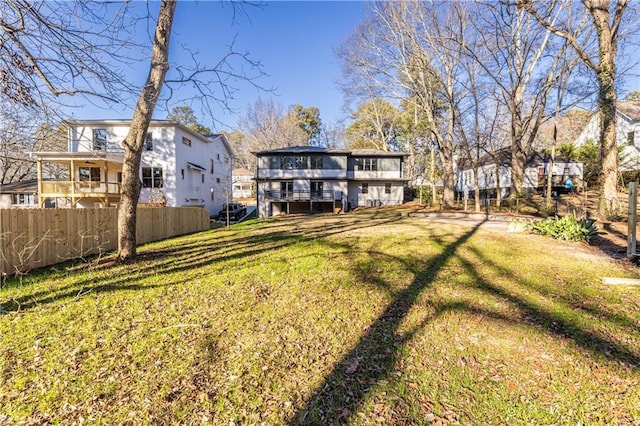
(294,41)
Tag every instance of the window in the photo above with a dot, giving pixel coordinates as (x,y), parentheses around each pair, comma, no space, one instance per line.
(316,161)
(466,178)
(294,162)
(301,162)
(202,176)
(119,177)
(631,138)
(182,173)
(387,188)
(23,199)
(217,180)
(212,192)
(286,188)
(186,141)
(89,174)
(365,188)
(99,139)
(152,177)
(316,189)
(148,142)
(367,164)
(211,167)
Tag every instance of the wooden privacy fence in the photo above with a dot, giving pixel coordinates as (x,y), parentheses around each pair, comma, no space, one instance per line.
(33,238)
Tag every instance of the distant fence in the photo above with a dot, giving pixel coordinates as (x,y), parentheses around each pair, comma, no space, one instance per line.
(33,238)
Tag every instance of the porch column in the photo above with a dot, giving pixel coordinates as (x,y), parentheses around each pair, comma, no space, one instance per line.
(106,184)
(40,196)
(72,176)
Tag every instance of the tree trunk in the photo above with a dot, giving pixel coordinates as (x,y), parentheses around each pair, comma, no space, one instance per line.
(448,176)
(476,187)
(498,187)
(518,164)
(142,114)
(609,205)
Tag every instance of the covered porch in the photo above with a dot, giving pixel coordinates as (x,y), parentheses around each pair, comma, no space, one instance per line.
(94,177)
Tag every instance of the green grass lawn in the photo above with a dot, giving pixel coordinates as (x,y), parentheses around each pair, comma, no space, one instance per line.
(367,318)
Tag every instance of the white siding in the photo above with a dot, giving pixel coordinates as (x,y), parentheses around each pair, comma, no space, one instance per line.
(630,156)
(171,155)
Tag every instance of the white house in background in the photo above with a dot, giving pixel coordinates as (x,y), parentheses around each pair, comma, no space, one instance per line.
(243,183)
(627,134)
(184,167)
(496,168)
(303,179)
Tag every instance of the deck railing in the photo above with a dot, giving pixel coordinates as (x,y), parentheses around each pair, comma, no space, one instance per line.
(297,195)
(82,188)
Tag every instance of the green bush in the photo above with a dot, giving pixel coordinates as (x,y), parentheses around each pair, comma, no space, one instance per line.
(565,228)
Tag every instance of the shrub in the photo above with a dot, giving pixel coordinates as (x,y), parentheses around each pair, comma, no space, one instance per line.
(565,228)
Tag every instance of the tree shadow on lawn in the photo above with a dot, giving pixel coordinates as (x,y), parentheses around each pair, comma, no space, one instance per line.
(375,356)
(562,324)
(190,256)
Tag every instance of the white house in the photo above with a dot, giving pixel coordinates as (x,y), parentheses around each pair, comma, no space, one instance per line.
(178,164)
(243,183)
(627,133)
(494,170)
(304,179)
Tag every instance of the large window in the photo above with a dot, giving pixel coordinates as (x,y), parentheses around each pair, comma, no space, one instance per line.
(294,162)
(24,199)
(148,142)
(152,177)
(367,164)
(99,139)
(89,174)
(316,161)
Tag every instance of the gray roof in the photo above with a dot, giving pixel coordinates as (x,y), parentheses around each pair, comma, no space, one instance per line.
(301,150)
(630,109)
(22,187)
(503,157)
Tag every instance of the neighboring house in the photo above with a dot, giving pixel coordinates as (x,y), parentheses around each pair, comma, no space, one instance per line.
(627,134)
(304,179)
(178,165)
(535,177)
(23,194)
(243,183)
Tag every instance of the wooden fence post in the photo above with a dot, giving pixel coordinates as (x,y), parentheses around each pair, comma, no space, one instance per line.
(633,219)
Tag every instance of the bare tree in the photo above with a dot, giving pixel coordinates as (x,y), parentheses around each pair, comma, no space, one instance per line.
(47,52)
(521,61)
(266,125)
(134,141)
(606,17)
(404,52)
(52,50)
(16,141)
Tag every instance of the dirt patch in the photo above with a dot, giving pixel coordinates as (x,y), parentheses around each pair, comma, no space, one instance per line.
(612,240)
